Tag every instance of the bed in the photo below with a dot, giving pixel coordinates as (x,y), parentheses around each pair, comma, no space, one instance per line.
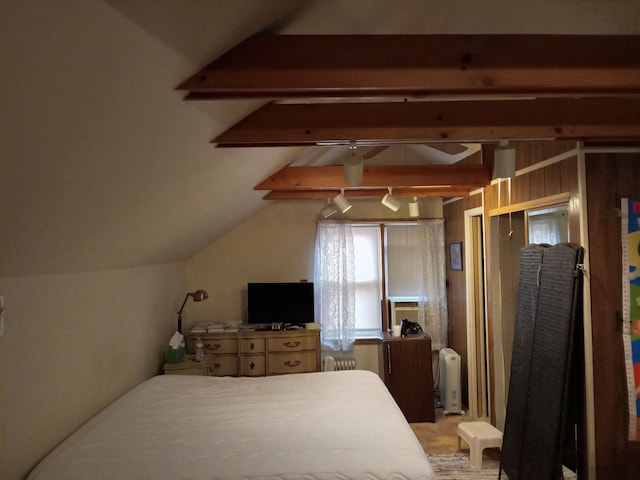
(316,426)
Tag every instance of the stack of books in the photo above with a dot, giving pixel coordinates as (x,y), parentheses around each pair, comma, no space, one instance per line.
(199,328)
(213,328)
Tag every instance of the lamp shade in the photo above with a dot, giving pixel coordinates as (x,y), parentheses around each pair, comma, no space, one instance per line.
(199,295)
(391,202)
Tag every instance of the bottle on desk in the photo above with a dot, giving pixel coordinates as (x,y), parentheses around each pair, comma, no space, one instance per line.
(199,350)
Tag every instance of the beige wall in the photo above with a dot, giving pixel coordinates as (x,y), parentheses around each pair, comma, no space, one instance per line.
(276,245)
(72,344)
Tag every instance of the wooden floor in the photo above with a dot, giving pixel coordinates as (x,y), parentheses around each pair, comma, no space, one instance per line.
(440,437)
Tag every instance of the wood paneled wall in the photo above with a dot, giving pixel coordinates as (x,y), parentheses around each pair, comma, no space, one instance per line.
(609,178)
(456,287)
(536,183)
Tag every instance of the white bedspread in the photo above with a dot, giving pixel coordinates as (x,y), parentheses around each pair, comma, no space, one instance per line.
(325,425)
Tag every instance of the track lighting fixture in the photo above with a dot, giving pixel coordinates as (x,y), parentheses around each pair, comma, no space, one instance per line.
(504,161)
(414,208)
(390,201)
(328,210)
(341,202)
(353,167)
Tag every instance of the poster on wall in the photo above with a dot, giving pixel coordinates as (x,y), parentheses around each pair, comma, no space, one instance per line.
(631,299)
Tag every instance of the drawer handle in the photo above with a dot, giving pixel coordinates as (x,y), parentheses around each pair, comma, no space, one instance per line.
(253,365)
(292,344)
(252,346)
(216,366)
(292,363)
(215,346)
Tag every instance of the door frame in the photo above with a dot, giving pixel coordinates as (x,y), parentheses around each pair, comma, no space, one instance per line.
(477,375)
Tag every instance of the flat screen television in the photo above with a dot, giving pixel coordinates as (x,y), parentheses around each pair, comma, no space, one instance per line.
(290,303)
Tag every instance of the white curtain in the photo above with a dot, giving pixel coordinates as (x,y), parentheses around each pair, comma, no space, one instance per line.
(334,284)
(432,304)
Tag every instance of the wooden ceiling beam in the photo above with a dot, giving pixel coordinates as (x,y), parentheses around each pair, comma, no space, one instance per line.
(379,176)
(421,192)
(288,66)
(423,122)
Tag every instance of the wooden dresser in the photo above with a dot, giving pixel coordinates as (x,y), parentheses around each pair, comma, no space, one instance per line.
(256,353)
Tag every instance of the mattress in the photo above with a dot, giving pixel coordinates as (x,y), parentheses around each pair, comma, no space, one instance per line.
(324,425)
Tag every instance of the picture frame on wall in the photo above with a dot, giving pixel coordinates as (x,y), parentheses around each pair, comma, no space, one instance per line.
(455,256)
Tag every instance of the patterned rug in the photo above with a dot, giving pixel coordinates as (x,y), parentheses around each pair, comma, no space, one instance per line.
(455,466)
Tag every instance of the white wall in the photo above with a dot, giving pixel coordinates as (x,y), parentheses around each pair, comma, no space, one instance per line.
(72,344)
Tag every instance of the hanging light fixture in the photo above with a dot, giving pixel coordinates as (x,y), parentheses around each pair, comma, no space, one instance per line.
(353,166)
(414,208)
(341,202)
(504,161)
(390,201)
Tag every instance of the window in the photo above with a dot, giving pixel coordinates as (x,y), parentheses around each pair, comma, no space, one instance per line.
(358,266)
(400,273)
(548,225)
(368,276)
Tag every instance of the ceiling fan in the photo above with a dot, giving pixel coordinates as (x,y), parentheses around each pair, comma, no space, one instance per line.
(353,165)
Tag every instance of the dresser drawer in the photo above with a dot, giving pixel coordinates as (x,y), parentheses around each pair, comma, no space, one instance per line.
(219,345)
(253,365)
(292,344)
(252,345)
(224,365)
(255,353)
(300,362)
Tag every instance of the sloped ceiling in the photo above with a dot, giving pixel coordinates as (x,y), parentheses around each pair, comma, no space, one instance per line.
(104,165)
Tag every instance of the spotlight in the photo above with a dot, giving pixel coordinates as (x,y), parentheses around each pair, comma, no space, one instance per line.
(390,201)
(414,208)
(328,210)
(341,202)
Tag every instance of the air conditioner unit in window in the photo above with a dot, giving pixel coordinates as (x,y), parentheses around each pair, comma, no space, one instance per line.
(401,310)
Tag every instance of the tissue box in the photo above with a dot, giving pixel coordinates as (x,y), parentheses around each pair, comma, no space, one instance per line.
(176,355)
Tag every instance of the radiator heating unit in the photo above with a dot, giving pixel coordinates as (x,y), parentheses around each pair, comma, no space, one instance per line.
(336,363)
(449,370)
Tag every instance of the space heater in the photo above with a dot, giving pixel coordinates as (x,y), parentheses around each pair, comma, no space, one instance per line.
(449,369)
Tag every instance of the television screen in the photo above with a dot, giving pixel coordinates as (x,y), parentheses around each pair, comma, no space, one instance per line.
(280,303)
